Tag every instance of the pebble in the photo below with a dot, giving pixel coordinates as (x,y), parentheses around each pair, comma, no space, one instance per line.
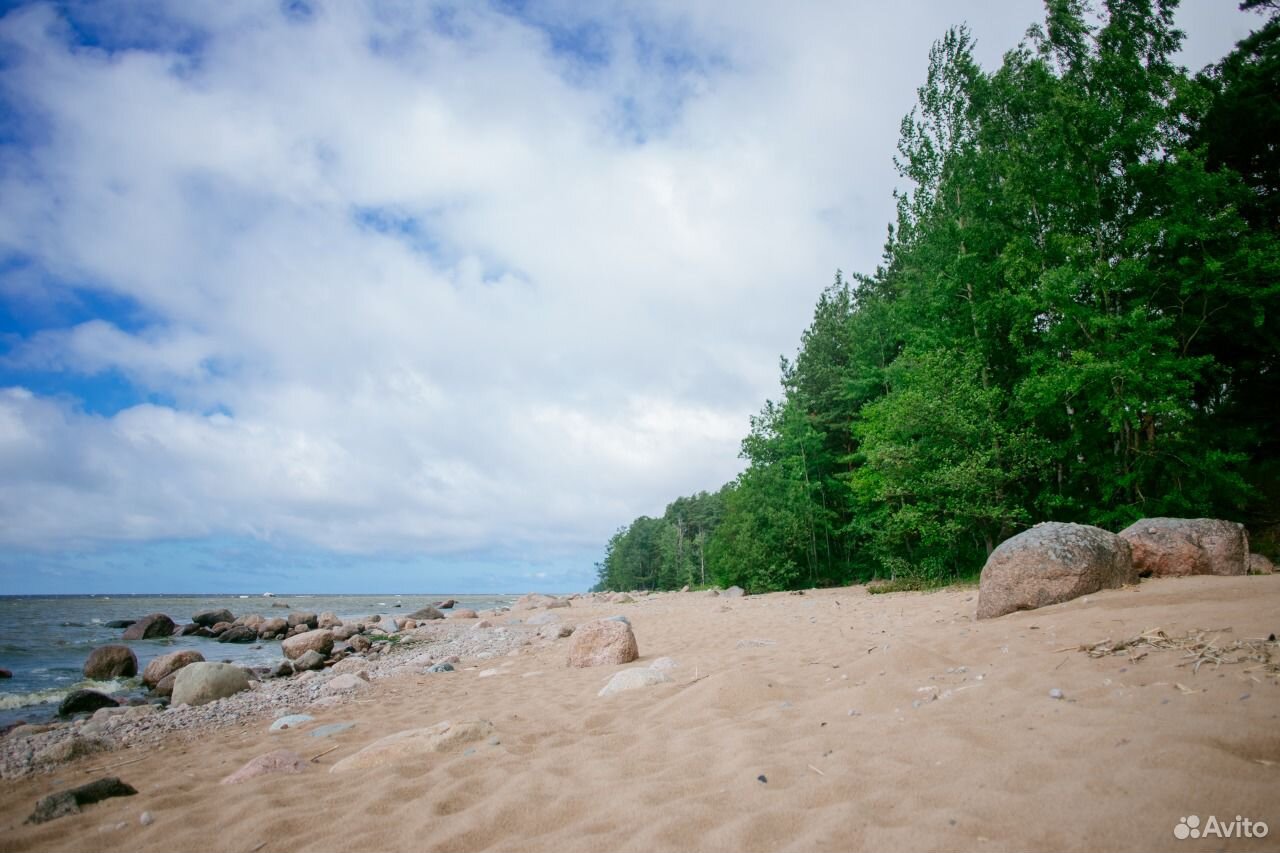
(146,819)
(1055,693)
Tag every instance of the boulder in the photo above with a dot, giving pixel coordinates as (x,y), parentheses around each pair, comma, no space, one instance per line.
(308,660)
(463,613)
(238,634)
(85,701)
(5,673)
(328,620)
(252,620)
(555,632)
(279,761)
(218,628)
(164,687)
(345,683)
(1050,563)
(1260,565)
(319,640)
(346,631)
(168,664)
(119,623)
(603,643)
(359,643)
(447,604)
(712,593)
(202,682)
(414,745)
(209,618)
(633,679)
(1173,547)
(533,601)
(426,613)
(149,627)
(481,625)
(734,592)
(684,588)
(187,630)
(107,662)
(303,618)
(272,628)
(621,598)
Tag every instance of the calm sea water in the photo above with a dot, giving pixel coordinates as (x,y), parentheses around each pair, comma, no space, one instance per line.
(45,640)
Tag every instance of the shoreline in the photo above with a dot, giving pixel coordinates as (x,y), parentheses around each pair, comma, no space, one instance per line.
(893,721)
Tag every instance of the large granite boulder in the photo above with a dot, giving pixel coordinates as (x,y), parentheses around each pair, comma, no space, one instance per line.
(203,682)
(107,662)
(425,614)
(168,664)
(149,627)
(209,618)
(304,618)
(1173,547)
(603,643)
(319,640)
(1050,563)
(238,634)
(1260,565)
(272,628)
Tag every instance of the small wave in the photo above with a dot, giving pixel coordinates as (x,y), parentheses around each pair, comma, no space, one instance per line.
(53,695)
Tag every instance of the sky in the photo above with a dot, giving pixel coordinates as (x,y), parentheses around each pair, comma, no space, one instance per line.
(418,296)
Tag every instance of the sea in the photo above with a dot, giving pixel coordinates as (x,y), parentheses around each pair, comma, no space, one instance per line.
(45,640)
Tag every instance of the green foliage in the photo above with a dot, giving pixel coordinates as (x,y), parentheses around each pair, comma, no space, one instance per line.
(1076,319)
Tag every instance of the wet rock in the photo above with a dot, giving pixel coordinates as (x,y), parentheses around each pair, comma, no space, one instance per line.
(149,627)
(238,634)
(119,623)
(85,701)
(107,662)
(209,618)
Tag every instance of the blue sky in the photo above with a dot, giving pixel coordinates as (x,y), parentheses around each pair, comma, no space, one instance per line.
(397,296)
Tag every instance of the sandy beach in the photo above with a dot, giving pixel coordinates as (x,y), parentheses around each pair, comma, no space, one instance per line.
(831,720)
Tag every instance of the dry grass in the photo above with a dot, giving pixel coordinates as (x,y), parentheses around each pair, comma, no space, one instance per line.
(1261,656)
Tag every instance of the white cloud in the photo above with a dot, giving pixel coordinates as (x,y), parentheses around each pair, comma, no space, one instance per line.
(441,293)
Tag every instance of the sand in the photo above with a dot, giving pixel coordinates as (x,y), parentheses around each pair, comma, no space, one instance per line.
(828,696)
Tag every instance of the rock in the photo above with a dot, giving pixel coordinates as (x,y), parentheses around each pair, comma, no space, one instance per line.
(1172,547)
(69,749)
(308,660)
(483,623)
(332,729)
(146,819)
(621,619)
(345,683)
(684,588)
(203,682)
(303,618)
(621,598)
(283,669)
(319,640)
(425,614)
(603,643)
(463,613)
(272,628)
(734,592)
(1260,565)
(447,604)
(119,623)
(1050,563)
(218,628)
(387,627)
(346,631)
(555,632)
(4,673)
(188,629)
(359,643)
(533,601)
(68,802)
(328,620)
(279,761)
(542,619)
(85,701)
(1055,693)
(253,621)
(209,618)
(169,664)
(149,627)
(664,664)
(238,634)
(107,662)
(282,604)
(712,593)
(164,687)
(413,745)
(633,679)
(443,666)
